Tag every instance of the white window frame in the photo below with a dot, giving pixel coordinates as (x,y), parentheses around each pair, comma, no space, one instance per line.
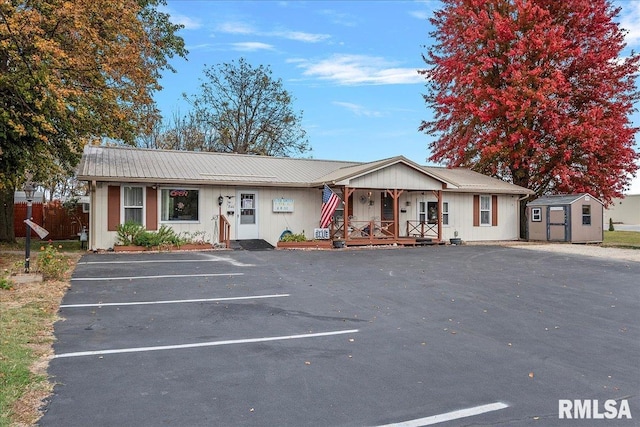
(175,221)
(536,214)
(488,210)
(422,211)
(586,215)
(445,214)
(143,207)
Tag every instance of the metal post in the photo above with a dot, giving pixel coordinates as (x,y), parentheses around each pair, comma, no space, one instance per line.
(27,249)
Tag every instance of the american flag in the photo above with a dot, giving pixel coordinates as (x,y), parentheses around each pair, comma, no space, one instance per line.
(330,202)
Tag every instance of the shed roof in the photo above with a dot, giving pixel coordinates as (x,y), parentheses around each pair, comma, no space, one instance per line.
(101,163)
(560,199)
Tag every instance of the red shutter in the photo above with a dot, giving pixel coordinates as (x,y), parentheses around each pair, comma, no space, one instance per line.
(476,210)
(113,208)
(152,208)
(494,210)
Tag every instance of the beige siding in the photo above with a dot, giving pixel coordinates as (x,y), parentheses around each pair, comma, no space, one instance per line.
(461,216)
(207,210)
(461,219)
(306,215)
(304,218)
(586,233)
(398,176)
(538,229)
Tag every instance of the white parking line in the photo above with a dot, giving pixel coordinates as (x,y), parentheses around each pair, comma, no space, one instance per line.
(165,261)
(203,344)
(181,301)
(450,416)
(166,276)
(154,261)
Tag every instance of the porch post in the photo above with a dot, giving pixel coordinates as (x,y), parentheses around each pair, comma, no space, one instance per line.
(347,192)
(439,215)
(396,214)
(395,194)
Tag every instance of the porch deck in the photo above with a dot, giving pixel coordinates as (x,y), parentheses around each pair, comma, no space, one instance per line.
(378,233)
(400,241)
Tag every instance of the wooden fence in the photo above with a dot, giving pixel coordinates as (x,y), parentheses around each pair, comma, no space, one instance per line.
(62,224)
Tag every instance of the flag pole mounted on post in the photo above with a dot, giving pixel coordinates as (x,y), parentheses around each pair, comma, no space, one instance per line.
(330,202)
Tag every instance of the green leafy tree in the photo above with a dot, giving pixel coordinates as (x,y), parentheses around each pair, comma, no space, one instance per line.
(72,73)
(242,109)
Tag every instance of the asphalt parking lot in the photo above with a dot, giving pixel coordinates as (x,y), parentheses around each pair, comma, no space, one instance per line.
(454,336)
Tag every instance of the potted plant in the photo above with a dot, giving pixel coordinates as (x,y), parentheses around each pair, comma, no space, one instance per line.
(339,243)
(455,240)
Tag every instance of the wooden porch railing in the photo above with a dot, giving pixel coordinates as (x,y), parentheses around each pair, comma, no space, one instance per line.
(359,230)
(422,229)
(225,231)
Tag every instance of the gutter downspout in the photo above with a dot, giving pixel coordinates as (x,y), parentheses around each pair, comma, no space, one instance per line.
(92,216)
(526,196)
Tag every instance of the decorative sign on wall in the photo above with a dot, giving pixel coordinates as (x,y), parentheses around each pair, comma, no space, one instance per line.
(321,233)
(282,205)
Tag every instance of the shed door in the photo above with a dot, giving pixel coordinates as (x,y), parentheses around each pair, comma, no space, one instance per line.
(557,223)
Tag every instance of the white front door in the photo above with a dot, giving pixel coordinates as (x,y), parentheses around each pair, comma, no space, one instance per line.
(247,215)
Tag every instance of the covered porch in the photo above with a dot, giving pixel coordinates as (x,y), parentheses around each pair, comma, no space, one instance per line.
(385,203)
(370,216)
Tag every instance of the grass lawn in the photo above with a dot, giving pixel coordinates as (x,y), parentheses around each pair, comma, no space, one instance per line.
(27,314)
(622,239)
(36,244)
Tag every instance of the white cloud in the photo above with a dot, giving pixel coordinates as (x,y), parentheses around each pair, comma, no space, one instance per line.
(360,70)
(300,36)
(188,22)
(630,20)
(339,18)
(180,19)
(358,110)
(235,27)
(426,12)
(251,46)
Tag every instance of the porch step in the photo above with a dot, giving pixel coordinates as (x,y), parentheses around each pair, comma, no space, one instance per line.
(423,241)
(250,245)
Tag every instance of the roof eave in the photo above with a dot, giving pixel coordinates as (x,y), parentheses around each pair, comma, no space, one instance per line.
(183,182)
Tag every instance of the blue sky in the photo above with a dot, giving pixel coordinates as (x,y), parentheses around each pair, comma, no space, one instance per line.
(350,66)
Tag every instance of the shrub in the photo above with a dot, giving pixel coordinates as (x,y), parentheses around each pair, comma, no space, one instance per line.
(51,263)
(166,236)
(128,232)
(294,238)
(5,283)
(611,228)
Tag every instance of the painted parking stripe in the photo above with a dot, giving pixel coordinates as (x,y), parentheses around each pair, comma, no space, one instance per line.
(181,301)
(450,416)
(203,344)
(166,261)
(166,276)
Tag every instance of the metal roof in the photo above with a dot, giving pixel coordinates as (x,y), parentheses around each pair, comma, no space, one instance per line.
(101,163)
(104,163)
(468,181)
(559,199)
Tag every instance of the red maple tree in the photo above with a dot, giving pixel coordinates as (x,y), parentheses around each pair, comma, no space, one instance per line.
(535,92)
